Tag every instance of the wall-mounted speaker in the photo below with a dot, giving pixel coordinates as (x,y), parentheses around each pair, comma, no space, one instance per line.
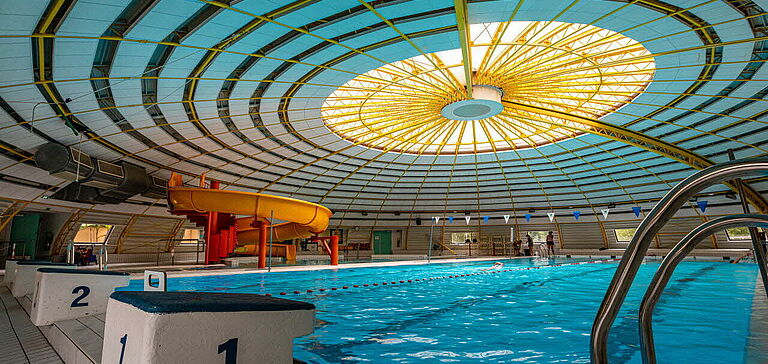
(418,221)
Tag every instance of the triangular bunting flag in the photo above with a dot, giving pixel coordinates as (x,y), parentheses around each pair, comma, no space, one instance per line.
(576,214)
(636,210)
(528,217)
(450,219)
(551,216)
(702,205)
(467,218)
(506,219)
(485,219)
(605,213)
(437,219)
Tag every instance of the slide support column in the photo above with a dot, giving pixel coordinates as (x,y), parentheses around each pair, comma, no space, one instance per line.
(334,250)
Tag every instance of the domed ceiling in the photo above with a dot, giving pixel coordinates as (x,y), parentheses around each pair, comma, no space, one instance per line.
(391,105)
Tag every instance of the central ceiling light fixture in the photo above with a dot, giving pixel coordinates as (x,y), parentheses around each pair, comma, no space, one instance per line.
(486,102)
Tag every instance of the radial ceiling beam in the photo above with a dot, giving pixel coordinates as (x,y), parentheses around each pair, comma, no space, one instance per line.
(627,136)
(463,24)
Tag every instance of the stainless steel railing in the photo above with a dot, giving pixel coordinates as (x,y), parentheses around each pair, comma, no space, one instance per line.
(670,262)
(653,222)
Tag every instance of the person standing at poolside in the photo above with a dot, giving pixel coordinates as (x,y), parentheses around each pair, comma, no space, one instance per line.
(529,239)
(551,243)
(516,246)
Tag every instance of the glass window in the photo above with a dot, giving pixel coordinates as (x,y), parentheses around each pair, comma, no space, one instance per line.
(538,236)
(190,237)
(461,238)
(738,233)
(624,235)
(92,233)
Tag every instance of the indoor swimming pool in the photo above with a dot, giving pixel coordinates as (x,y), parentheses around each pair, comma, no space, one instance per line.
(521,315)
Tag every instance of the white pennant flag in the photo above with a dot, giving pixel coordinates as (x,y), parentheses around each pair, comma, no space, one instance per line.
(467,218)
(551,216)
(506,219)
(605,213)
(437,219)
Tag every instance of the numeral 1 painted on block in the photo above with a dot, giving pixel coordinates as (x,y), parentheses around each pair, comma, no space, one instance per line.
(123,341)
(230,348)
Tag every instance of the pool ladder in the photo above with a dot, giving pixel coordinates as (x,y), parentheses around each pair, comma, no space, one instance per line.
(647,230)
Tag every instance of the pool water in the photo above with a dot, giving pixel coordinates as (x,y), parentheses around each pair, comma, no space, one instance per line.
(521,316)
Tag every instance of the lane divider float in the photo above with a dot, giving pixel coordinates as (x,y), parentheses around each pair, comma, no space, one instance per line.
(444,277)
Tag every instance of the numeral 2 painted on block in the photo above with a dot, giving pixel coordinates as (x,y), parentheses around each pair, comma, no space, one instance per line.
(123,341)
(85,291)
(230,348)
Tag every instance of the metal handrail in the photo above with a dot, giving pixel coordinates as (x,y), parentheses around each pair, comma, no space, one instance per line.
(646,231)
(670,262)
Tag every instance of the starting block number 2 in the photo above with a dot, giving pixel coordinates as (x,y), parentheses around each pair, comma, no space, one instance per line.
(229,348)
(84,291)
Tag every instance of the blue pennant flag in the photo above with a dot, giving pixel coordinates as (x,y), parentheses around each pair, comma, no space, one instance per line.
(576,214)
(450,219)
(485,219)
(702,205)
(528,217)
(636,210)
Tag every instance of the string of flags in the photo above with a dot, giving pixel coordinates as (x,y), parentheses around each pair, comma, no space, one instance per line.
(637,210)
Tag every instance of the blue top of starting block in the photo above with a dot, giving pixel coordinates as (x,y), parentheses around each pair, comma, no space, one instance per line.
(43,262)
(82,271)
(175,302)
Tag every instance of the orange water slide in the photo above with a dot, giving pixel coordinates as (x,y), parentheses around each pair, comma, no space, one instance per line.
(303,219)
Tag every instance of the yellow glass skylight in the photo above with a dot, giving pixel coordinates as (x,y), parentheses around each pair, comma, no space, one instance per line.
(577,69)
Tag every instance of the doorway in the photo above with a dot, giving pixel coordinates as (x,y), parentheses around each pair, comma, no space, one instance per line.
(382,242)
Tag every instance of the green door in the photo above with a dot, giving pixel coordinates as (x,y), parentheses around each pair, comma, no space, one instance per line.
(382,242)
(24,230)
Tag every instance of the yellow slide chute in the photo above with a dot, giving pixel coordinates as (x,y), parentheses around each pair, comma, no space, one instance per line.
(304,219)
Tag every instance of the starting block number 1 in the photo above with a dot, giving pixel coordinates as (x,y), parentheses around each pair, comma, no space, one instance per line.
(229,348)
(123,341)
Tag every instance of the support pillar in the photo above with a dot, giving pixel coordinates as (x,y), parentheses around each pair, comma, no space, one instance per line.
(211,238)
(262,244)
(334,250)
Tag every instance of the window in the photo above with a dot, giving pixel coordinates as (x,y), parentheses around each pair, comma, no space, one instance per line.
(461,238)
(190,237)
(538,236)
(738,233)
(92,233)
(624,235)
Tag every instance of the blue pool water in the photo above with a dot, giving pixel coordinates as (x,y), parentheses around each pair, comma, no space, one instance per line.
(523,316)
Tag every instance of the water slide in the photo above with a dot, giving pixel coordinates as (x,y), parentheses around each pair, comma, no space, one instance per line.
(303,219)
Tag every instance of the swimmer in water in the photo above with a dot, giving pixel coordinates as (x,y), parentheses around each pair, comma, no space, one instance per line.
(495,266)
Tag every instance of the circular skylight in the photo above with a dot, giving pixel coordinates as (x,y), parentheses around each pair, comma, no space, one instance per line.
(420,105)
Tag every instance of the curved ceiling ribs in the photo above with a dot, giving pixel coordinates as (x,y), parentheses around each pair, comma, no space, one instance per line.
(279,153)
(637,139)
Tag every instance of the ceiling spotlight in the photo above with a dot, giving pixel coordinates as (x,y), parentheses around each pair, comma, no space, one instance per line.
(531,210)
(364,213)
(397,213)
(730,195)
(466,213)
(694,199)
(611,205)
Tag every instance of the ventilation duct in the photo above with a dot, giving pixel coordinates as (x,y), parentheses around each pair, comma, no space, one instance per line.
(96,181)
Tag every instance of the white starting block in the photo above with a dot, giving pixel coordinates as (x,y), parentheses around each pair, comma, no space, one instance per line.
(24,281)
(10,272)
(198,327)
(66,294)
